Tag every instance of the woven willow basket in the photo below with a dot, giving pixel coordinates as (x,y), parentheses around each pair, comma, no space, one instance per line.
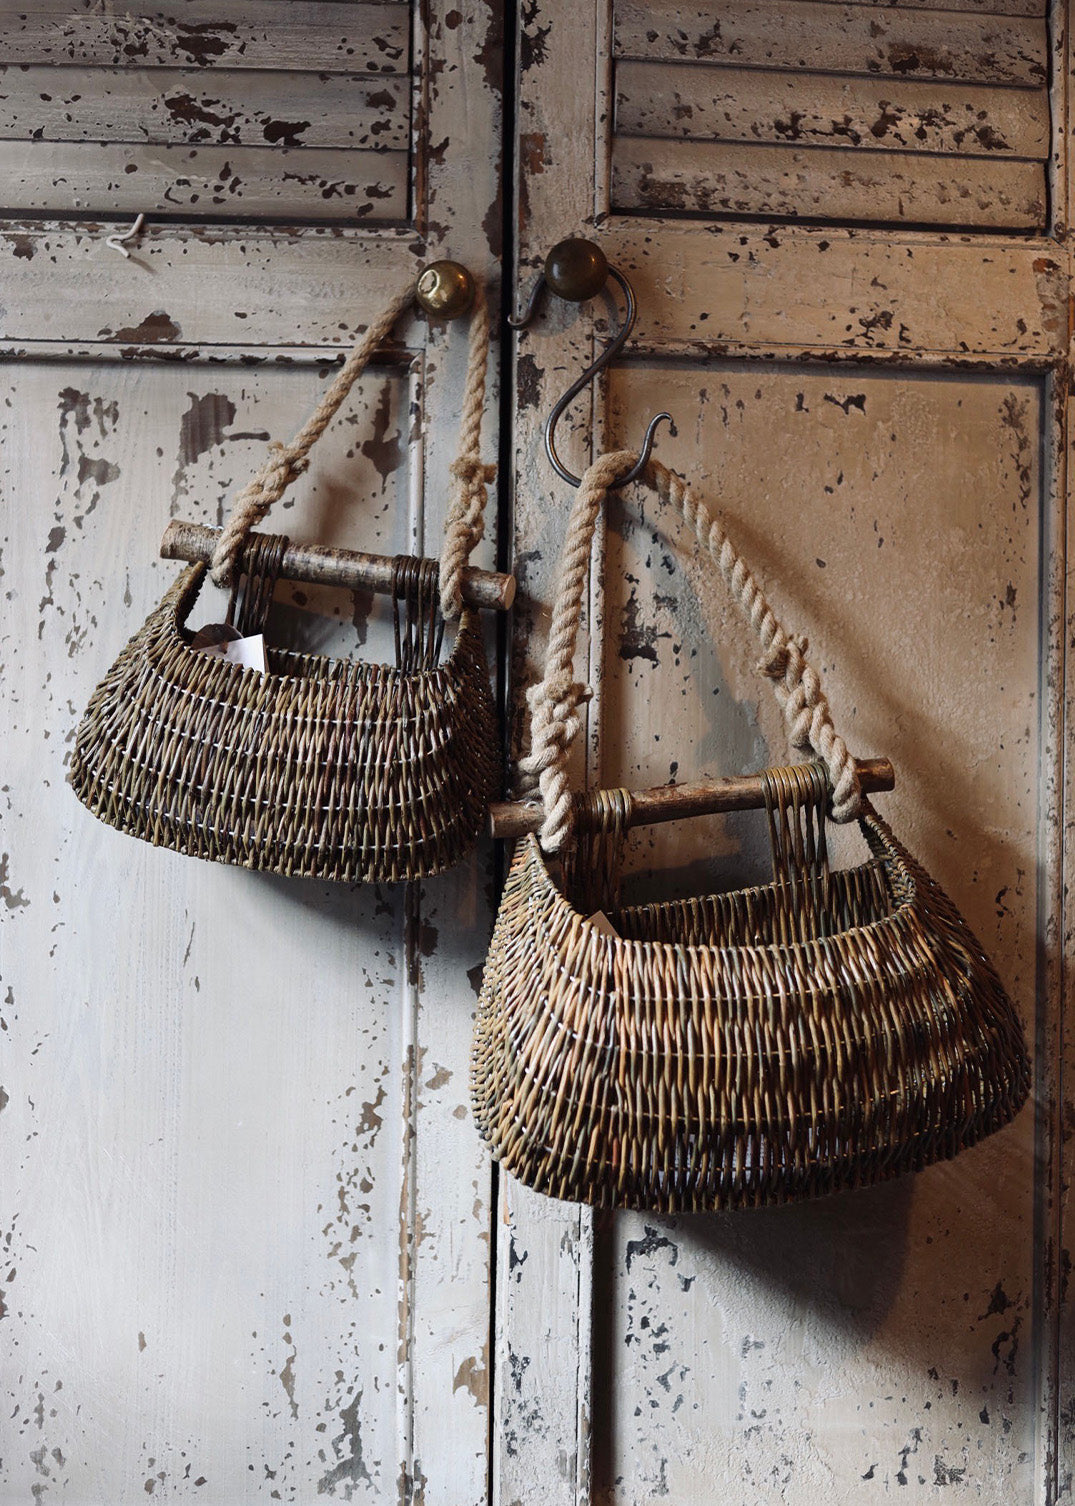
(825,1031)
(321,767)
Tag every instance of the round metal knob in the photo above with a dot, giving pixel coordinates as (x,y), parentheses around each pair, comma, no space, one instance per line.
(576,269)
(445,290)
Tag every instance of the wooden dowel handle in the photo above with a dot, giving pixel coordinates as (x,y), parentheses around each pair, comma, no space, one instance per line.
(321,564)
(671,802)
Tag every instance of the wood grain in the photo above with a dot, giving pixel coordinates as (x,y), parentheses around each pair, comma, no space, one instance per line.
(696,102)
(824,184)
(220,182)
(327,36)
(674,802)
(187,107)
(350,569)
(233,1261)
(862,39)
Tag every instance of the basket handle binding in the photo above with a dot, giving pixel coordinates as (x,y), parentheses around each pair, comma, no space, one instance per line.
(465,522)
(555,699)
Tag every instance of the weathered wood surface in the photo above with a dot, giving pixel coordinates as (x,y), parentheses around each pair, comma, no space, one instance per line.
(984,7)
(261,182)
(200,1201)
(674,802)
(825,184)
(696,102)
(817,1336)
(836,295)
(261,119)
(876,414)
(349,569)
(238,1271)
(228,1179)
(327,36)
(854,293)
(837,38)
(189,107)
(789,111)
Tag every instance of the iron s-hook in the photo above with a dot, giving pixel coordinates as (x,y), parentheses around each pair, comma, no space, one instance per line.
(577,269)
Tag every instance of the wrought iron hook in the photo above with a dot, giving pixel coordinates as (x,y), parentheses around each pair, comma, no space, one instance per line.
(576,270)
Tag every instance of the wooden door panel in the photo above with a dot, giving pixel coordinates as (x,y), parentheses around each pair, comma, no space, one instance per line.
(880,414)
(236,1265)
(217,1213)
(898,522)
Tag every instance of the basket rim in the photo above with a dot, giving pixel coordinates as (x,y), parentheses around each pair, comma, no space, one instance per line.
(178,603)
(806,951)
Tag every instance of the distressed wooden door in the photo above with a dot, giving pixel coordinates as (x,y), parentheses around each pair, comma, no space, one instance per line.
(248,1234)
(234,1265)
(848,230)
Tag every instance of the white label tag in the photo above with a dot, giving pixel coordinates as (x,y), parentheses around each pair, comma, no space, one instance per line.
(600,922)
(249,653)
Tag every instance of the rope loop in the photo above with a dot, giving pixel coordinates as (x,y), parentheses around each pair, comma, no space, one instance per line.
(555,700)
(465,523)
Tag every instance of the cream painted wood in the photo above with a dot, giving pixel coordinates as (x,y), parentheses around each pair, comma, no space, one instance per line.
(145,137)
(241,1270)
(694,102)
(332,36)
(883,415)
(823,183)
(837,38)
(223,181)
(789,112)
(779,1374)
(246,108)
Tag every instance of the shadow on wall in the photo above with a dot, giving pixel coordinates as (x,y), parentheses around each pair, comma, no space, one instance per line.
(926,1274)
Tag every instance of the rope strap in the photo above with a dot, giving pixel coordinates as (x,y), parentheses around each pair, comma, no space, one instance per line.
(465,522)
(555,700)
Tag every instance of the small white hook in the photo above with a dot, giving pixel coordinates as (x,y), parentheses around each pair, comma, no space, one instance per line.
(116,241)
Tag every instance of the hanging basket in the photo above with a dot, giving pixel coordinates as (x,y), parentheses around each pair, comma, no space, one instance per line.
(825,1031)
(320,767)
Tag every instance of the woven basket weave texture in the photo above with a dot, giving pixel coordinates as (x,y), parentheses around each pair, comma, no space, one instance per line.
(740,1049)
(825,1031)
(321,768)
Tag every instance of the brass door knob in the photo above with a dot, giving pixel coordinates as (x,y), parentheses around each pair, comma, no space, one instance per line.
(445,290)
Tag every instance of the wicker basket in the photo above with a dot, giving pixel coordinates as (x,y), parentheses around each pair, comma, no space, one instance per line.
(822,1032)
(321,767)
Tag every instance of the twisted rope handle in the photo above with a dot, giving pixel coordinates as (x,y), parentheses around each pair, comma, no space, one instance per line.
(555,700)
(465,522)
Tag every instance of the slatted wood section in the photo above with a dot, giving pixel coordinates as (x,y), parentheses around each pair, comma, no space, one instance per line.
(843,114)
(281,111)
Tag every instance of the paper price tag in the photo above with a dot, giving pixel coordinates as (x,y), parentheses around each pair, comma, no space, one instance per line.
(600,922)
(249,653)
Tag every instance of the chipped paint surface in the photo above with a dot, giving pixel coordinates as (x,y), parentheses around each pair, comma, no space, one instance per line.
(888,450)
(245,1225)
(228,1101)
(296,113)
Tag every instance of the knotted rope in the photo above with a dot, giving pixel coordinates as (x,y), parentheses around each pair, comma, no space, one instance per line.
(465,522)
(555,700)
